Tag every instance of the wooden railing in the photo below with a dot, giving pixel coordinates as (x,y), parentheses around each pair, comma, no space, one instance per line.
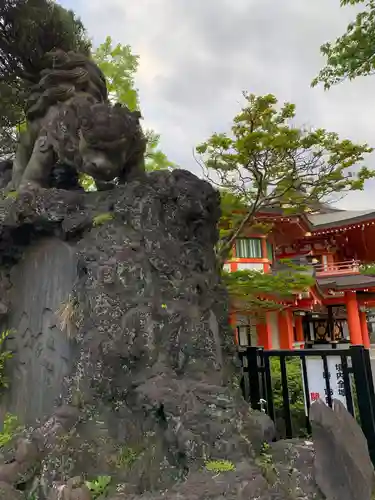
(333,268)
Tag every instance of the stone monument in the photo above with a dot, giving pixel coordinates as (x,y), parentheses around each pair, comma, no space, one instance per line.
(123,370)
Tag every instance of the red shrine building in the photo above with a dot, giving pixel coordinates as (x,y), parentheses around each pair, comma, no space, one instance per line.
(333,245)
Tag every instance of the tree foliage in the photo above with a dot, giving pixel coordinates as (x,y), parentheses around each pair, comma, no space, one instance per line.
(254,292)
(251,291)
(368,269)
(352,54)
(266,161)
(119,66)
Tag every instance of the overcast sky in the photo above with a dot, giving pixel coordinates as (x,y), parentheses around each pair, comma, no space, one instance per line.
(196,57)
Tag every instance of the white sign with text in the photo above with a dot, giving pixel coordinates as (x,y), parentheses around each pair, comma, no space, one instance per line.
(317,382)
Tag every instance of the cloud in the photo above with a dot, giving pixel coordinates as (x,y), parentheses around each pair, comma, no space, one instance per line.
(197,56)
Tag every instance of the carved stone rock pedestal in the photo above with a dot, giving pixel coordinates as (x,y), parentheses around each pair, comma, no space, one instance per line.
(123,362)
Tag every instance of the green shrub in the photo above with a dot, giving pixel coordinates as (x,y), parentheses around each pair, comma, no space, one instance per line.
(296,396)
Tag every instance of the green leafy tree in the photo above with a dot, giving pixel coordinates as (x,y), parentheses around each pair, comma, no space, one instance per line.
(119,66)
(255,293)
(251,291)
(155,159)
(266,161)
(352,54)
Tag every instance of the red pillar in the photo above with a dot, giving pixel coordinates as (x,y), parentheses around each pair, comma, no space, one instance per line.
(364,329)
(299,328)
(354,322)
(285,325)
(264,333)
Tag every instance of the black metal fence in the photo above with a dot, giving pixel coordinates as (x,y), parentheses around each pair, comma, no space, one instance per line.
(353,384)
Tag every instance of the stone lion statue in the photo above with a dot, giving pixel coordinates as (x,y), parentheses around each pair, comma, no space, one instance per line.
(73,128)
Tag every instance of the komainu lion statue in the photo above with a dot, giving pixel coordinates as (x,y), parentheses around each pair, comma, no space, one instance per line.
(72,127)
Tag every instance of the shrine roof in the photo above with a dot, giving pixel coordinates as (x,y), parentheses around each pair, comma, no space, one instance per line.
(345,282)
(339,218)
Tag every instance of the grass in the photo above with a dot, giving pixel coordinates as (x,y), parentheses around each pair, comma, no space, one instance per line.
(67,315)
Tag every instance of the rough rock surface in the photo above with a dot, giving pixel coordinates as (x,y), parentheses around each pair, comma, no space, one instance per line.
(40,283)
(150,395)
(339,440)
(7,492)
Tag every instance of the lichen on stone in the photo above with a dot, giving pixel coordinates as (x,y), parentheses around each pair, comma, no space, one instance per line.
(220,466)
(100,219)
